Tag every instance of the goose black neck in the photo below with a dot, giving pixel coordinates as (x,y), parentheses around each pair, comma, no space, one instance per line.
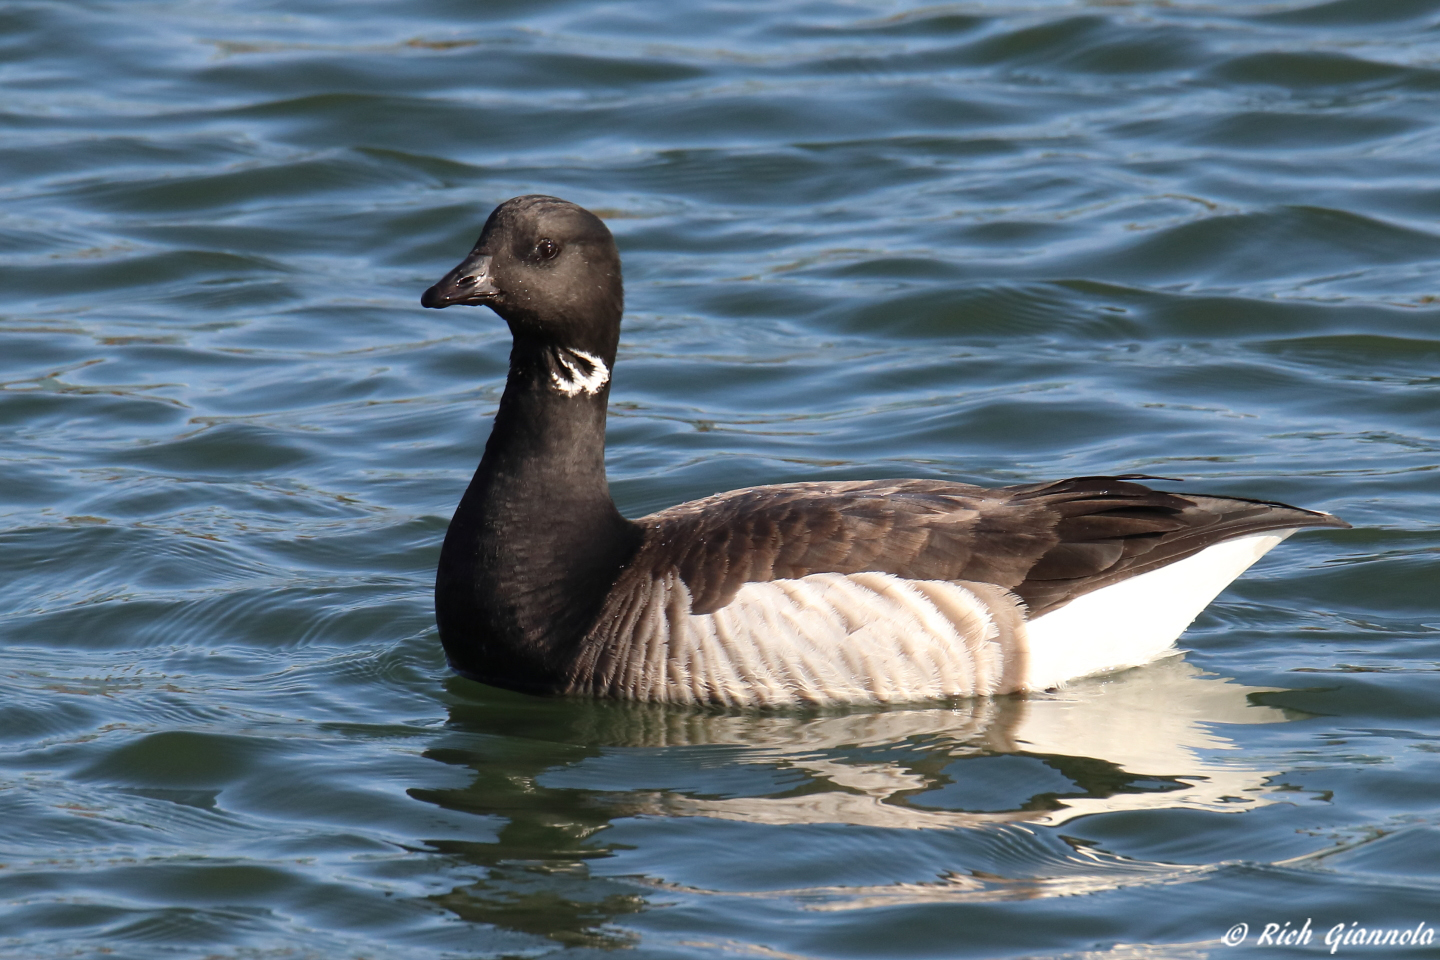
(536,543)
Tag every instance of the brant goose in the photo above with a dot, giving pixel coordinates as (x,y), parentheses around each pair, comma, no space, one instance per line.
(884,590)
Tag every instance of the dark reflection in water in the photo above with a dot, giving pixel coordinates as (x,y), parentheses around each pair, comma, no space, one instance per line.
(537,877)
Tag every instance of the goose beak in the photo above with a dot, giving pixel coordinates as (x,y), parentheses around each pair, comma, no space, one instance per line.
(468,283)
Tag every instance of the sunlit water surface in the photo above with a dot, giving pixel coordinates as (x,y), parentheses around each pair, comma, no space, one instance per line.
(985,241)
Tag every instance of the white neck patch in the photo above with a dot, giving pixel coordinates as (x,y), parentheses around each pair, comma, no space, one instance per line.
(572,380)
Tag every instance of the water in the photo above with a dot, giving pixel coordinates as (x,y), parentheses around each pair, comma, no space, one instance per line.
(994,241)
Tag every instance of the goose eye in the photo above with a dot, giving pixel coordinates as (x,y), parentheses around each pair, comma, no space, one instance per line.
(546,249)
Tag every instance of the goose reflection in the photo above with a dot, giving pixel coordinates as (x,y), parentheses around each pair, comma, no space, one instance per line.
(1141,740)
(560,771)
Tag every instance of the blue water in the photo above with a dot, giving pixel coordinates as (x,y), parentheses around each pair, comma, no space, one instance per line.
(990,241)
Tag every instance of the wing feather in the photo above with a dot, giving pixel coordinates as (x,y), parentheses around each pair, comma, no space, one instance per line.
(1048,543)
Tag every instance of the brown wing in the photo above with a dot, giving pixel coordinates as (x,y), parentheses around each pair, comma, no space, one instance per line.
(1049,543)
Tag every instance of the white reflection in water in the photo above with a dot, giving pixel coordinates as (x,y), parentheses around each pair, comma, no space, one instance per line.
(1143,739)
